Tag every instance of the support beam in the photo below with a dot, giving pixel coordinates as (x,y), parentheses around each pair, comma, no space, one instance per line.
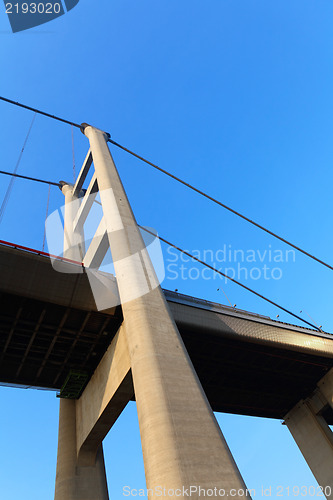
(73,481)
(326,387)
(82,174)
(315,441)
(106,395)
(98,247)
(182,443)
(86,204)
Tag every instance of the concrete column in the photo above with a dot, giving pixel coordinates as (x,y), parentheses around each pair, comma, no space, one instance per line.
(73,240)
(315,440)
(182,443)
(72,481)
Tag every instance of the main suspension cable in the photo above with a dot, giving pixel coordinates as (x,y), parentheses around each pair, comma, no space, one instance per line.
(35,179)
(202,193)
(190,186)
(35,110)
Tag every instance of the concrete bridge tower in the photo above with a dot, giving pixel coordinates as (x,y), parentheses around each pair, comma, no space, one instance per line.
(183,446)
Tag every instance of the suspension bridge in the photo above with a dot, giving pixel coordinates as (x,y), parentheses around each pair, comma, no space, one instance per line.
(179,357)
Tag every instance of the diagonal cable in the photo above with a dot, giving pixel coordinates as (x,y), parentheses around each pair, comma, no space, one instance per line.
(12,180)
(190,186)
(205,195)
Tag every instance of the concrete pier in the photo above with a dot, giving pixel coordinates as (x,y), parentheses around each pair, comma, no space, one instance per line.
(313,435)
(74,482)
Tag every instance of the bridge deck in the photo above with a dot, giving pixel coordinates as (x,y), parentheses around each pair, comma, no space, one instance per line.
(247,364)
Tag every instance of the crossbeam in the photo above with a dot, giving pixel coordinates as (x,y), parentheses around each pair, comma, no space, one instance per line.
(86,204)
(104,398)
(82,174)
(98,247)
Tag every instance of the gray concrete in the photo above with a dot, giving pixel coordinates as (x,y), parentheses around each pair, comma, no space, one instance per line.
(182,443)
(325,386)
(214,319)
(84,480)
(73,240)
(86,204)
(74,482)
(315,441)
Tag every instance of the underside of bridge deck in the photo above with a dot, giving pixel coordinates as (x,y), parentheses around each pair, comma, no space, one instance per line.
(247,364)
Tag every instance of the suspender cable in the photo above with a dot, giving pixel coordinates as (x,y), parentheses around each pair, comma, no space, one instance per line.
(12,180)
(73,154)
(46,215)
(232,279)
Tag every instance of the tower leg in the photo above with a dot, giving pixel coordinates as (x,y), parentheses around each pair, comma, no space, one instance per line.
(315,440)
(75,482)
(184,450)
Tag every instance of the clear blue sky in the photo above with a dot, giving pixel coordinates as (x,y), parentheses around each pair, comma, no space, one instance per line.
(234,96)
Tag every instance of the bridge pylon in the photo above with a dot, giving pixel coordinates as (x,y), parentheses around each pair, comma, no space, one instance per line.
(183,446)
